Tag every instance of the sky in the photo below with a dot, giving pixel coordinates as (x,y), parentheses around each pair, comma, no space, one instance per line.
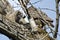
(3,37)
(42,4)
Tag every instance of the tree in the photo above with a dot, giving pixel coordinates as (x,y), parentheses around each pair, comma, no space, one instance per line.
(37,20)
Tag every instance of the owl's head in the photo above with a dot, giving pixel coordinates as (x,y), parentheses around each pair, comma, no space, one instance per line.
(21,19)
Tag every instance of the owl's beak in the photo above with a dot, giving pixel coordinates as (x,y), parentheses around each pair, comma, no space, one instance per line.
(26,19)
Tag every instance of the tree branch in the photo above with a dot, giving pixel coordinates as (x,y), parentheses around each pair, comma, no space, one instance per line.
(47,9)
(24,7)
(57,19)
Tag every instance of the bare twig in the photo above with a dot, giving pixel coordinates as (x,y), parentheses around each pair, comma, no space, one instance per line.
(45,36)
(24,7)
(47,9)
(36,2)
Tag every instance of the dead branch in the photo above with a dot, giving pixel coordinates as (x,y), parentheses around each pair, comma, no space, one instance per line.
(57,19)
(47,9)
(24,7)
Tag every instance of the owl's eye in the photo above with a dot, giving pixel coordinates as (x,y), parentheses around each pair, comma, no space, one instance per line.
(24,16)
